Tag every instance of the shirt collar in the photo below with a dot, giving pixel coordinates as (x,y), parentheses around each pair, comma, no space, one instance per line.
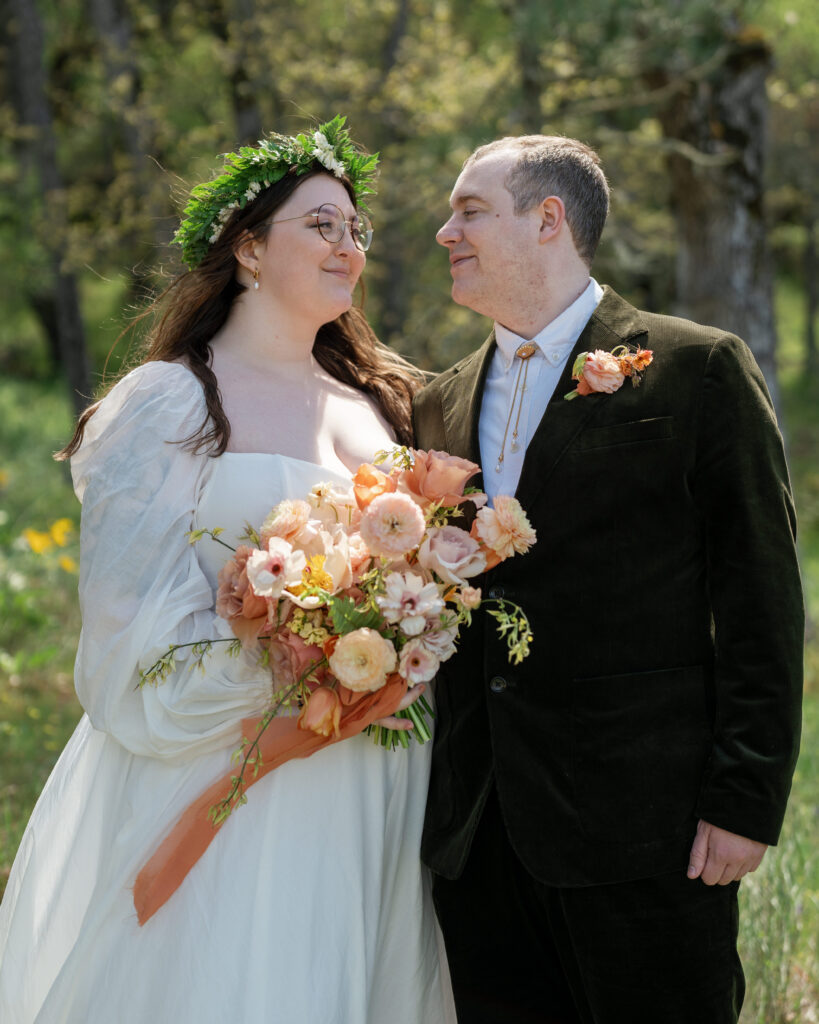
(557,338)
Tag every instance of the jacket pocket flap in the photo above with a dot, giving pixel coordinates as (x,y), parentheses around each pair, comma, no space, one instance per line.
(659,428)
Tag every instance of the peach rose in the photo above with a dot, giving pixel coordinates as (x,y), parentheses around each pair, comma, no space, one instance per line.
(322,712)
(362,659)
(470,597)
(452,554)
(235,596)
(439,477)
(291,657)
(505,528)
(601,371)
(369,482)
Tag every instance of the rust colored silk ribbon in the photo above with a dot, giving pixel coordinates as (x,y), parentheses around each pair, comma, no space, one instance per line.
(282,741)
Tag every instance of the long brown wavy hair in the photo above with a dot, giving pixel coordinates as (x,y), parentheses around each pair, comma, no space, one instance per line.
(191,310)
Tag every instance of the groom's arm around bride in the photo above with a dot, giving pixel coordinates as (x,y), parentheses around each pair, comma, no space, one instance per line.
(580,801)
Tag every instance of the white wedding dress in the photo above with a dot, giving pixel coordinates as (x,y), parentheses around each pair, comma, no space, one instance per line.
(310,906)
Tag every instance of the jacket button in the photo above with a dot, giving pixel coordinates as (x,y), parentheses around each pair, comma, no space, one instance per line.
(497,684)
(496,593)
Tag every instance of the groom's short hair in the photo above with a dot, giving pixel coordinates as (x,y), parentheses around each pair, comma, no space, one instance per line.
(551,165)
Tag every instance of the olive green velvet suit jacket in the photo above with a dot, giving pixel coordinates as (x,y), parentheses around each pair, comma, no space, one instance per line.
(665,677)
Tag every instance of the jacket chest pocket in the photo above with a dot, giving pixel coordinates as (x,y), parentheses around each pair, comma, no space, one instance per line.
(658,428)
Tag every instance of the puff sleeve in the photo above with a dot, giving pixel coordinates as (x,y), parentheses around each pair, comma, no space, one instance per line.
(141,586)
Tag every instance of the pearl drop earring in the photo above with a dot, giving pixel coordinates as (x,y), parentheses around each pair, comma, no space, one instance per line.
(256,279)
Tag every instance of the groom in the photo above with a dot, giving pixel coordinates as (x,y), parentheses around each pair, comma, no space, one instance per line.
(592,810)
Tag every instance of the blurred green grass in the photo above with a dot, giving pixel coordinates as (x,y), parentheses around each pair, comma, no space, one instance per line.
(39,625)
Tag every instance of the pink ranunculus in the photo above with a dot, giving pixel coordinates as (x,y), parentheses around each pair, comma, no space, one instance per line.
(504,528)
(270,571)
(408,600)
(439,477)
(418,664)
(392,525)
(452,554)
(286,520)
(359,556)
(361,660)
(601,372)
(234,596)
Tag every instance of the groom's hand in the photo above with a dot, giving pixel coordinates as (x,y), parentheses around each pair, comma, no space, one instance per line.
(719,857)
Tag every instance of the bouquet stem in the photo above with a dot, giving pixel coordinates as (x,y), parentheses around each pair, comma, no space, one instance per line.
(418,713)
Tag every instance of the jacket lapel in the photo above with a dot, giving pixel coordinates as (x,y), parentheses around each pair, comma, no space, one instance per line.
(461,404)
(614,322)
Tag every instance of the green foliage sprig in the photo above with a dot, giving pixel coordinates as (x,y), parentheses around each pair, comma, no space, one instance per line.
(253,168)
(513,626)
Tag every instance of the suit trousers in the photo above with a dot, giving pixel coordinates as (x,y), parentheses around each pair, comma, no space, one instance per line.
(658,950)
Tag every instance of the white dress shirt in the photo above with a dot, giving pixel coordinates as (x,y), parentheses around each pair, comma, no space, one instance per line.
(553,345)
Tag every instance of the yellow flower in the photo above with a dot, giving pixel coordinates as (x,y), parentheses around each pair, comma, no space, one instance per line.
(37,541)
(4,477)
(67,563)
(60,530)
(313,575)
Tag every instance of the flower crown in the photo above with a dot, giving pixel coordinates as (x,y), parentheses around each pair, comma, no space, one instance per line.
(254,168)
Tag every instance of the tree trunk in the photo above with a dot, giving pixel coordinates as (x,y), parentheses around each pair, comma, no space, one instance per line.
(235,22)
(149,225)
(527,17)
(39,155)
(389,136)
(716,129)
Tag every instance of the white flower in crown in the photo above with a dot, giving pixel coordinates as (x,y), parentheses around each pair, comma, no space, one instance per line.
(253,190)
(325,154)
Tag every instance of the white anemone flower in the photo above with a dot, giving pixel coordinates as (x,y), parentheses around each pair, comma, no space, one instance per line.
(409,602)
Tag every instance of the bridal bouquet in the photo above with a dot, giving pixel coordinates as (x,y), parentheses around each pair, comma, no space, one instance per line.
(350,595)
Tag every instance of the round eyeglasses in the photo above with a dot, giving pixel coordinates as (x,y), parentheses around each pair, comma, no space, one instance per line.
(332,224)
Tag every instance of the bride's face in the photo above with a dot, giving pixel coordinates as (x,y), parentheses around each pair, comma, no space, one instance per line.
(303,272)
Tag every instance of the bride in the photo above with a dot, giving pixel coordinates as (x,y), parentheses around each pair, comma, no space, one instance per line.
(310,906)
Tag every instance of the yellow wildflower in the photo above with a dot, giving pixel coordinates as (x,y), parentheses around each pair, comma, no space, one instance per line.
(60,530)
(37,541)
(67,563)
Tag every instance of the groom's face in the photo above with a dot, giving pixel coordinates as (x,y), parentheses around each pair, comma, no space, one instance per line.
(493,252)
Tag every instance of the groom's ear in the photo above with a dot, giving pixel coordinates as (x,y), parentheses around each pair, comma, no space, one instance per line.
(552,218)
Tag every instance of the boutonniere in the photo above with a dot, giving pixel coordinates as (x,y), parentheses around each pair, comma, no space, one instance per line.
(604,372)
